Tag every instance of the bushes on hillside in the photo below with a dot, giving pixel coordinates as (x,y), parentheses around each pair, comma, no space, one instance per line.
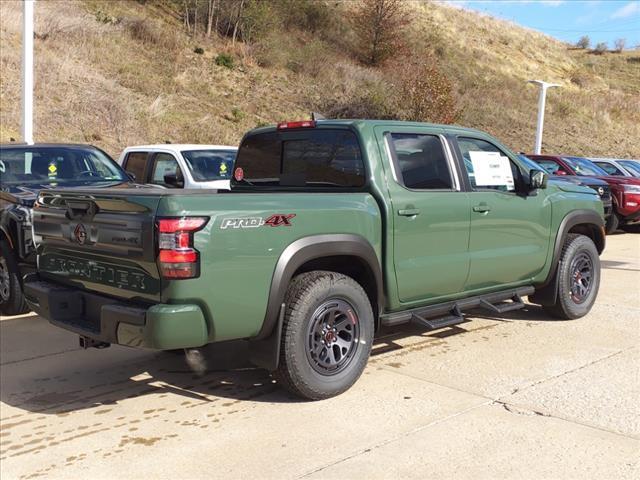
(600,48)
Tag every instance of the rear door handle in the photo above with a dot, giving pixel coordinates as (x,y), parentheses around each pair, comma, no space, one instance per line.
(482,208)
(409,212)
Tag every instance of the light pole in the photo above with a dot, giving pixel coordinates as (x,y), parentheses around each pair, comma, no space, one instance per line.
(27,71)
(541,103)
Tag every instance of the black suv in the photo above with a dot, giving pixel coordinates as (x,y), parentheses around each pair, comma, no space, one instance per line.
(24,171)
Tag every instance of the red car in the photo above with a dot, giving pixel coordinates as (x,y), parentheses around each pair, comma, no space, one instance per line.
(624,190)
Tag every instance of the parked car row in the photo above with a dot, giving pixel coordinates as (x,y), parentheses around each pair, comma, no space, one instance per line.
(624,186)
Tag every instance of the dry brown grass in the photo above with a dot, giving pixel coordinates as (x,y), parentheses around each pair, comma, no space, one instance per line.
(116,73)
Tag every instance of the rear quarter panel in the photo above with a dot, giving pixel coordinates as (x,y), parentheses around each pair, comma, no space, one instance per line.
(237,264)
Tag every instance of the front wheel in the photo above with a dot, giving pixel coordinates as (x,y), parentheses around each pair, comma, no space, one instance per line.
(578,278)
(11,298)
(327,335)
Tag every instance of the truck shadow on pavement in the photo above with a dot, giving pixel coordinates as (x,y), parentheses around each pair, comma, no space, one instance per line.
(72,379)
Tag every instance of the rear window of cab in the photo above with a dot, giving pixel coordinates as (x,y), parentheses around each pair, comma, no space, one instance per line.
(305,158)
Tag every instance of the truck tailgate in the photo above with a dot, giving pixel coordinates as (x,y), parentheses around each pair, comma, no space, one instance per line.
(104,242)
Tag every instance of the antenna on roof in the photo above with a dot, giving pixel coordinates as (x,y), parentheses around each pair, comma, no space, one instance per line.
(317,116)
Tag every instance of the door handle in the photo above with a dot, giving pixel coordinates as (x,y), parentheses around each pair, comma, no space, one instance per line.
(482,208)
(409,212)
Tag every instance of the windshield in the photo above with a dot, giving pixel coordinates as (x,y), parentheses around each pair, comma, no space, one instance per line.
(632,167)
(582,166)
(57,165)
(207,165)
(530,164)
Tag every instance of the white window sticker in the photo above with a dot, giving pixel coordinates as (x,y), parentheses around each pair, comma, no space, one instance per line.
(492,170)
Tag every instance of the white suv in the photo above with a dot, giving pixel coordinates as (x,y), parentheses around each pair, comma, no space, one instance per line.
(180,166)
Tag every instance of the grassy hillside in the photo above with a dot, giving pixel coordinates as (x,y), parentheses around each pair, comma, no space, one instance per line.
(116,73)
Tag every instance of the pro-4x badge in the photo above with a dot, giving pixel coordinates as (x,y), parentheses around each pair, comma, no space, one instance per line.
(277,220)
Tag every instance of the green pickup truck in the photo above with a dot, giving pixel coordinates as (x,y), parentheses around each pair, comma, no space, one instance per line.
(332,230)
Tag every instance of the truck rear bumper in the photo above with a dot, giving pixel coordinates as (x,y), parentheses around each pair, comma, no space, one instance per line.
(104,319)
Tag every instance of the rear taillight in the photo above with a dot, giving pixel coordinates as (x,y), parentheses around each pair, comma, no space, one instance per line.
(176,256)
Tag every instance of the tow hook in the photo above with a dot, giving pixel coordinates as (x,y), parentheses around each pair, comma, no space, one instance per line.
(86,342)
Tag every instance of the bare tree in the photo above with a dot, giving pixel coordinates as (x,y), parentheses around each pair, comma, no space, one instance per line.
(236,24)
(379,26)
(584,42)
(211,7)
(620,43)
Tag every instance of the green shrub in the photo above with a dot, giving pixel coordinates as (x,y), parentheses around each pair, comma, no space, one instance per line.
(198,50)
(224,60)
(237,115)
(103,17)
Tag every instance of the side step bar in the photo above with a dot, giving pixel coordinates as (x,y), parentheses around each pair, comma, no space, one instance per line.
(450,313)
(454,318)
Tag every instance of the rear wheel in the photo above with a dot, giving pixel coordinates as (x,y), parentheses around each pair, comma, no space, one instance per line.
(327,334)
(11,298)
(578,278)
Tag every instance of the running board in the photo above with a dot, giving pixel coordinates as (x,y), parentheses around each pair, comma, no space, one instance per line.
(456,317)
(450,313)
(515,304)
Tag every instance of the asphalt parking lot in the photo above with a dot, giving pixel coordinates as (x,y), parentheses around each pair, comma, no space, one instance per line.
(519,396)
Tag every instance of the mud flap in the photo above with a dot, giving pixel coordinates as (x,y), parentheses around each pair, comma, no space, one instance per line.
(266,353)
(547,295)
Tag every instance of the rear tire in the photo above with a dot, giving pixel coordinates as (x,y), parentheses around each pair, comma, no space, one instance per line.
(11,298)
(613,222)
(578,278)
(326,337)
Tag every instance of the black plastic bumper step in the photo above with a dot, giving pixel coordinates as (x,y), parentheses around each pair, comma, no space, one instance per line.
(454,318)
(515,304)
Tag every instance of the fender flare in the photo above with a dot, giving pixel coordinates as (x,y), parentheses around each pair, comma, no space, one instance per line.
(547,291)
(310,248)
(5,234)
(264,348)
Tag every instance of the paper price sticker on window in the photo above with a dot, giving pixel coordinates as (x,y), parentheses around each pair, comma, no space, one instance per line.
(492,170)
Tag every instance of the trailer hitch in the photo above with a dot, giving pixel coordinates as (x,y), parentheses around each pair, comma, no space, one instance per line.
(86,342)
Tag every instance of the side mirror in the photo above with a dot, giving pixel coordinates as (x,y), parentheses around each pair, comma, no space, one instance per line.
(538,179)
(174,179)
(132,176)
(561,172)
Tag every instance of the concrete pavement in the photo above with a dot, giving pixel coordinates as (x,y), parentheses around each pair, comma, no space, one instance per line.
(519,396)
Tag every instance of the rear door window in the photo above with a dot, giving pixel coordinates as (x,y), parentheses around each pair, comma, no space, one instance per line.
(164,163)
(421,161)
(313,158)
(136,164)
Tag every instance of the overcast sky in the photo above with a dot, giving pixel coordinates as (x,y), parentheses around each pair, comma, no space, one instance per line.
(568,20)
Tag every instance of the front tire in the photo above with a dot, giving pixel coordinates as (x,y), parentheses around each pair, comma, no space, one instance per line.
(11,298)
(326,337)
(578,278)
